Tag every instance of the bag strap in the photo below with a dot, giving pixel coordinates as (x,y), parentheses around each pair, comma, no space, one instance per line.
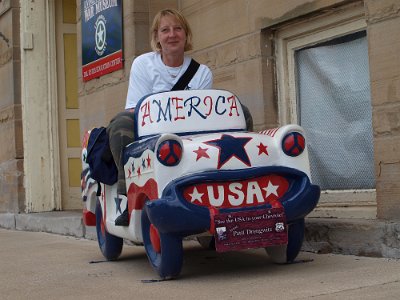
(187,76)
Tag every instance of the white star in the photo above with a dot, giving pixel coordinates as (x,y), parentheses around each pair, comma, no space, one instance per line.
(100,36)
(196,196)
(271,189)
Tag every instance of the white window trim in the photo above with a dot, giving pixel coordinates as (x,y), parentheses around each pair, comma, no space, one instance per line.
(305,33)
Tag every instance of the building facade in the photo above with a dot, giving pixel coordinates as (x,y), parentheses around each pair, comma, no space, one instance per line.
(330,65)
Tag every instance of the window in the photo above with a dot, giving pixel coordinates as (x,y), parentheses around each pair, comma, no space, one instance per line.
(334,106)
(323,85)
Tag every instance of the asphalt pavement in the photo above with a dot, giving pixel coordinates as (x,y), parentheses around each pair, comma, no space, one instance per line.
(38,265)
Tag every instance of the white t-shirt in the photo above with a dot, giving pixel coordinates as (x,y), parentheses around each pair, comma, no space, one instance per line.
(150,75)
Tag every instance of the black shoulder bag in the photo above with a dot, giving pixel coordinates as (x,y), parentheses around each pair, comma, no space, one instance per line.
(182,83)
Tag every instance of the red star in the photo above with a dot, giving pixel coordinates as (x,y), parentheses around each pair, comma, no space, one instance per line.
(138,171)
(201,153)
(148,160)
(129,173)
(262,149)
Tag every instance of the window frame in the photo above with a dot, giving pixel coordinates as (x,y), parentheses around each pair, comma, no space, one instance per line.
(289,38)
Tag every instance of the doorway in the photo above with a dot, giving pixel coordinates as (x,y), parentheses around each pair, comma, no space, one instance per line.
(68,104)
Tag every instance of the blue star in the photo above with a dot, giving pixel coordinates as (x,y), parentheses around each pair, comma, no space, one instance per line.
(230,146)
(143,163)
(118,204)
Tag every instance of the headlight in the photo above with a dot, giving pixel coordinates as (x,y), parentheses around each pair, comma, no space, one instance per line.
(169,153)
(293,144)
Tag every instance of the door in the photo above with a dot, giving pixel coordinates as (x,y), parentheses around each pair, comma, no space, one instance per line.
(68,104)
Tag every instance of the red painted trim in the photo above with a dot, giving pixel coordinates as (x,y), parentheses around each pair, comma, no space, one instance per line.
(155,239)
(137,195)
(102,66)
(213,212)
(89,218)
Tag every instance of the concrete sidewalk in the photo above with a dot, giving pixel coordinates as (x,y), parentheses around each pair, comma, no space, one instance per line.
(360,237)
(68,223)
(37,265)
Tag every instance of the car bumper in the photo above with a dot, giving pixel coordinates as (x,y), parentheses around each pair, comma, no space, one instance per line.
(173,214)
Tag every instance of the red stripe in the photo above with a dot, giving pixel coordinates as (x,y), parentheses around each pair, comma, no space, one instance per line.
(102,66)
(137,195)
(213,212)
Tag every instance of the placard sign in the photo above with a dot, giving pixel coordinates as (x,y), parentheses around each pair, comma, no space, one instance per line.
(101,37)
(250,229)
(189,111)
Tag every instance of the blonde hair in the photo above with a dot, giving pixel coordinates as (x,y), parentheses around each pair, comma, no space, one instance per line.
(156,24)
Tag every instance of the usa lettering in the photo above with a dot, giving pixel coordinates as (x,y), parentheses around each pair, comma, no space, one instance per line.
(265,189)
(236,194)
(175,108)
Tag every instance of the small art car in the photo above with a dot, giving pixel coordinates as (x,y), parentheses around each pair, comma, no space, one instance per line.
(195,171)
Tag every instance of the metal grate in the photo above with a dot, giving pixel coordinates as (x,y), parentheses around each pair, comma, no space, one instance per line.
(334,105)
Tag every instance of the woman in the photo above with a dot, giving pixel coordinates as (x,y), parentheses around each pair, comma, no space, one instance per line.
(153,72)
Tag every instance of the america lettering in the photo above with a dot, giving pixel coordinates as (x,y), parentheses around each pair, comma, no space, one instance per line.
(174,109)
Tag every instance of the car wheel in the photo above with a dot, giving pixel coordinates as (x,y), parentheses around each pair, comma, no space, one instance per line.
(288,253)
(110,245)
(165,251)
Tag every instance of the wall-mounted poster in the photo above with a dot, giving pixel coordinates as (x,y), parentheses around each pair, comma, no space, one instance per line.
(101,37)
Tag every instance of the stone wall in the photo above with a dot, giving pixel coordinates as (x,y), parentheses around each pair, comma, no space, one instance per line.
(230,37)
(383,19)
(11,148)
